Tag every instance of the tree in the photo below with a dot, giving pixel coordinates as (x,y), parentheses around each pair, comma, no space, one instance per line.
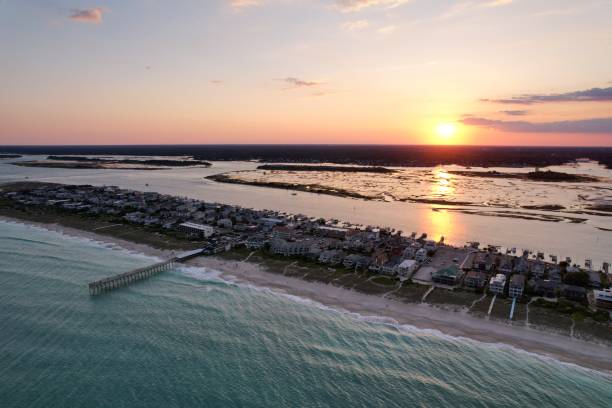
(577,278)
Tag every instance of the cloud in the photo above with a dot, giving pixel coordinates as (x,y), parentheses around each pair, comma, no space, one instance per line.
(299,83)
(92,15)
(497,3)
(556,12)
(321,93)
(242,4)
(216,82)
(515,112)
(466,6)
(588,95)
(355,25)
(356,5)
(386,30)
(597,125)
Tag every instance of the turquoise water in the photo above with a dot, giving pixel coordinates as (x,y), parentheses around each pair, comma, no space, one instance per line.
(187,338)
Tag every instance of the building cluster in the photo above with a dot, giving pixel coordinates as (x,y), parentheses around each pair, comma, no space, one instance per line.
(377,250)
(529,274)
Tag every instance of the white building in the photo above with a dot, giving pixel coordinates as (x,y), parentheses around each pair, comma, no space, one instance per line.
(390,267)
(603,298)
(407,267)
(256,242)
(192,228)
(497,284)
(421,255)
(290,248)
(430,246)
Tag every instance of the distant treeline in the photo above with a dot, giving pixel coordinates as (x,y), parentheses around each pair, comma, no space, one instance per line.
(372,155)
(532,175)
(10,156)
(152,162)
(348,169)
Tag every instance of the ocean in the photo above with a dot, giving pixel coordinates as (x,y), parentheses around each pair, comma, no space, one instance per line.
(189,338)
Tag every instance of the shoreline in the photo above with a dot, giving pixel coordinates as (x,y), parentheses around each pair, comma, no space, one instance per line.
(459,325)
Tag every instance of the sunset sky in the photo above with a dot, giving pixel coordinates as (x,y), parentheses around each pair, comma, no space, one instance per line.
(503,72)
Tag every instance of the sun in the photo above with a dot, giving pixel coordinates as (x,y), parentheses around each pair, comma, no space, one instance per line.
(446,131)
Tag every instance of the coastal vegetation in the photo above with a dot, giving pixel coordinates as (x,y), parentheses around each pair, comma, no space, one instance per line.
(234,178)
(547,207)
(10,156)
(81,162)
(150,162)
(310,188)
(548,176)
(345,169)
(573,309)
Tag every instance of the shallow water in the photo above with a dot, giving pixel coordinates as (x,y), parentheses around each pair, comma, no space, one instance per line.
(187,338)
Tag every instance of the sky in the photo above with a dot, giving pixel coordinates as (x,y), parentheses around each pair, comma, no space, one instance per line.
(484,72)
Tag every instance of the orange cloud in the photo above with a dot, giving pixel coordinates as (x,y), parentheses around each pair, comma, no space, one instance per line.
(356,5)
(92,15)
(241,4)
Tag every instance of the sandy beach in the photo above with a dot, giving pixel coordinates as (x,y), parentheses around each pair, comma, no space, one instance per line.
(421,316)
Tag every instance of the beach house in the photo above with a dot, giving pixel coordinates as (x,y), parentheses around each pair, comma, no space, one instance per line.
(282,232)
(497,284)
(451,276)
(517,285)
(331,257)
(255,242)
(603,298)
(475,280)
(407,267)
(390,267)
(356,261)
(573,292)
(594,279)
(547,288)
(421,255)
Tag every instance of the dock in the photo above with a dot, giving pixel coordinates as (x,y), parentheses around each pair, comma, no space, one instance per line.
(124,279)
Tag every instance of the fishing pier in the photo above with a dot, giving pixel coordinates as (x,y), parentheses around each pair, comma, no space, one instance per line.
(124,279)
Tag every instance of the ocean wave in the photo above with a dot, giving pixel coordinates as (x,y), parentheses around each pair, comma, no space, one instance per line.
(30,241)
(201,273)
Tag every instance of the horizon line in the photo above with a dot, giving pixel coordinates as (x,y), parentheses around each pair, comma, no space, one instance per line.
(302,144)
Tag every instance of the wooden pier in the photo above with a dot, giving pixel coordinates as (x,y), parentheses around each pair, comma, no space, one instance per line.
(118,281)
(124,279)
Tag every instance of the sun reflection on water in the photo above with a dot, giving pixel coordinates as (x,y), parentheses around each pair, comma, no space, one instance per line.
(442,223)
(442,185)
